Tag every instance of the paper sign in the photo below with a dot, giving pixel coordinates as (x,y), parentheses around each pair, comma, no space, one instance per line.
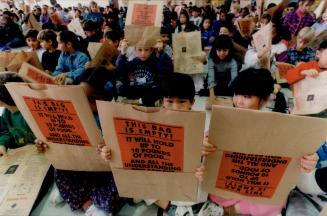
(260,4)
(102,53)
(34,23)
(58,121)
(143,22)
(76,27)
(281,72)
(251,175)
(150,146)
(310,95)
(62,117)
(144,14)
(187,52)
(155,151)
(33,74)
(262,42)
(252,161)
(245,3)
(22,172)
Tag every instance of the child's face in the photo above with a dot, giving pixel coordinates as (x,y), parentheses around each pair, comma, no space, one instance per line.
(94,8)
(222,16)
(206,24)
(165,38)
(182,19)
(305,6)
(62,46)
(263,22)
(222,53)
(324,16)
(300,44)
(176,103)
(247,101)
(224,31)
(47,45)
(33,43)
(143,53)
(322,56)
(195,13)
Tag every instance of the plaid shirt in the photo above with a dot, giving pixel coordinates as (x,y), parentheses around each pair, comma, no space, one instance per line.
(295,23)
(294,56)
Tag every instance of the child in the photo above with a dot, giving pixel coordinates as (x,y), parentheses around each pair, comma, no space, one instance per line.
(71,61)
(207,34)
(91,31)
(222,67)
(321,26)
(14,130)
(93,192)
(295,21)
(94,14)
(165,38)
(33,43)
(184,24)
(195,18)
(310,69)
(301,52)
(252,89)
(48,40)
(139,78)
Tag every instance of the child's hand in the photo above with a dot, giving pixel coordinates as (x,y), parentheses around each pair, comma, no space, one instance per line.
(200,173)
(100,146)
(310,73)
(105,153)
(3,151)
(41,147)
(88,65)
(123,45)
(159,45)
(207,148)
(59,79)
(308,162)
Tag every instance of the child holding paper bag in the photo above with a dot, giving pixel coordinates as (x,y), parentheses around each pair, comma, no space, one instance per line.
(310,69)
(72,59)
(252,89)
(93,192)
(15,132)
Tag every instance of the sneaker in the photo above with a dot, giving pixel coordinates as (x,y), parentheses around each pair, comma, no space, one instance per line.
(94,211)
(55,197)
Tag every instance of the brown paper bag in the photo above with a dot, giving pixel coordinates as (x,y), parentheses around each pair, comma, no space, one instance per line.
(76,27)
(220,100)
(281,72)
(155,151)
(260,4)
(246,26)
(5,58)
(187,52)
(34,23)
(62,117)
(310,95)
(245,3)
(32,74)
(262,43)
(143,22)
(102,53)
(21,57)
(257,153)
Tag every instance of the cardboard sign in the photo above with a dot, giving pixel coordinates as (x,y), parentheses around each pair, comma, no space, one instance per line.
(143,22)
(220,100)
(5,58)
(281,72)
(34,23)
(260,4)
(245,26)
(262,42)
(76,27)
(22,173)
(155,149)
(310,95)
(252,161)
(61,116)
(33,74)
(102,53)
(187,52)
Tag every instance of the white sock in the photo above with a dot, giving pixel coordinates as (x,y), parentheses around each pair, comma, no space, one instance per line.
(94,211)
(55,197)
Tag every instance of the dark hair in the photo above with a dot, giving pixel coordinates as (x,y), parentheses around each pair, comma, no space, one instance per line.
(32,33)
(113,35)
(6,77)
(256,82)
(178,85)
(48,25)
(221,42)
(90,26)
(77,42)
(271,5)
(323,45)
(201,25)
(165,30)
(228,26)
(266,16)
(48,35)
(102,81)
